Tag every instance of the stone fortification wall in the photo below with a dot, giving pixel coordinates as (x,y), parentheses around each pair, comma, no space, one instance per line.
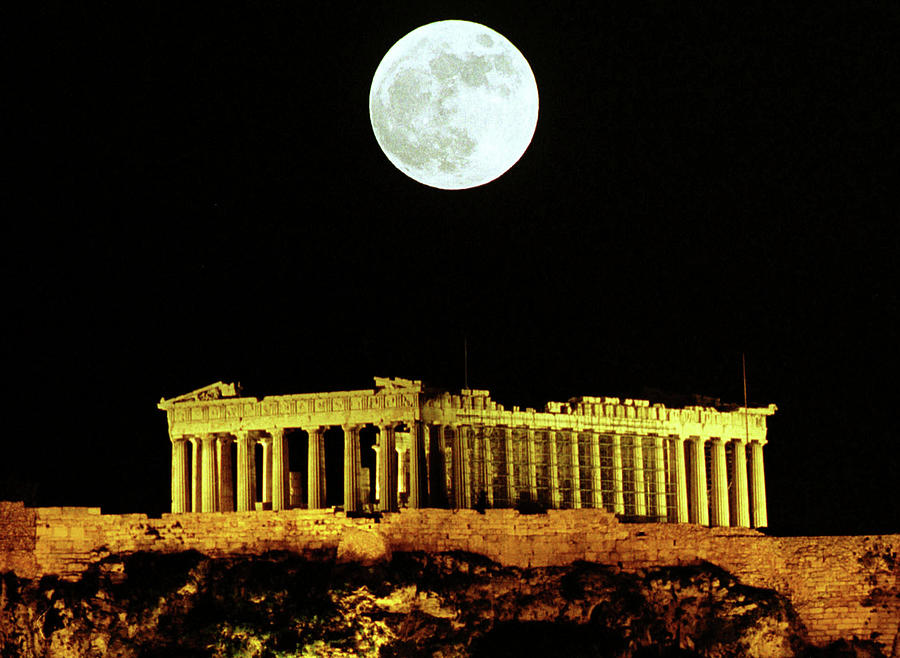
(840,586)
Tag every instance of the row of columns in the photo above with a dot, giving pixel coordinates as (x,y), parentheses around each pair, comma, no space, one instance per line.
(710,501)
(742,504)
(209,487)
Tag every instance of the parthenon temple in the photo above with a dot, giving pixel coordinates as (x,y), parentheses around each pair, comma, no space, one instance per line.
(402,444)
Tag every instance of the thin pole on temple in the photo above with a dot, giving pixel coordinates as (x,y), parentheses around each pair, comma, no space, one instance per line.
(466,362)
(746,410)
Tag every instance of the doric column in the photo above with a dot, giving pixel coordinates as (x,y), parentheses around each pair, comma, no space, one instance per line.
(416,457)
(719,477)
(576,472)
(506,437)
(555,493)
(210,493)
(740,496)
(266,469)
(486,436)
(640,488)
(618,476)
(196,467)
(532,464)
(246,475)
(699,504)
(180,498)
(460,485)
(280,482)
(758,486)
(596,473)
(226,479)
(315,468)
(437,466)
(661,511)
(351,469)
(681,497)
(387,485)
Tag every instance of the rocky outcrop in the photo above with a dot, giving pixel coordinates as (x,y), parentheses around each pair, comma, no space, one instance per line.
(451,604)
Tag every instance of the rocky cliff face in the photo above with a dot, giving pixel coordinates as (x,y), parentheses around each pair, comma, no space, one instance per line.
(451,604)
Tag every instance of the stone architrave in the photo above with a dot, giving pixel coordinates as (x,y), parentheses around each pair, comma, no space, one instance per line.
(719,489)
(180,497)
(315,469)
(699,504)
(758,486)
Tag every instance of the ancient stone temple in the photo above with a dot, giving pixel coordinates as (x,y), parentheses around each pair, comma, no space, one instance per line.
(403,444)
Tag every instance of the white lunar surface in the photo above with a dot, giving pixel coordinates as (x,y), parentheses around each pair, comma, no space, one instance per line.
(453,105)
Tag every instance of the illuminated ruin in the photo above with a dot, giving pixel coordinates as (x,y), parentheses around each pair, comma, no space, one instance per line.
(427,448)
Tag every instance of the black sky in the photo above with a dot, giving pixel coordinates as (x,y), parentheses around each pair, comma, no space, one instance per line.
(197,195)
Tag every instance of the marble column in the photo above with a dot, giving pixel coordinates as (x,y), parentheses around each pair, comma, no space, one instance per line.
(387,478)
(485,438)
(460,485)
(576,472)
(699,504)
(246,474)
(532,464)
(315,469)
(758,486)
(351,469)
(280,470)
(740,497)
(555,493)
(618,476)
(596,472)
(719,477)
(640,487)
(180,498)
(226,479)
(681,495)
(266,470)
(416,457)
(196,468)
(661,511)
(507,438)
(210,493)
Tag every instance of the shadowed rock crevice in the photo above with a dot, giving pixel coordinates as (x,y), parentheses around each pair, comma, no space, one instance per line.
(447,604)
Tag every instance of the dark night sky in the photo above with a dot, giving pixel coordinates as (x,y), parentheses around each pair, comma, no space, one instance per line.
(199,196)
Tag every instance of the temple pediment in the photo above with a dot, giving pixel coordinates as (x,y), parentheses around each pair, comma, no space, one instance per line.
(215,391)
(398,384)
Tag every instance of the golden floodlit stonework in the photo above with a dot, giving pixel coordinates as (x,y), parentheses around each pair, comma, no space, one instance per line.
(694,464)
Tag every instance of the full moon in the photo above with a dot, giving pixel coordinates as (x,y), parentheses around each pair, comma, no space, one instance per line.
(453,105)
